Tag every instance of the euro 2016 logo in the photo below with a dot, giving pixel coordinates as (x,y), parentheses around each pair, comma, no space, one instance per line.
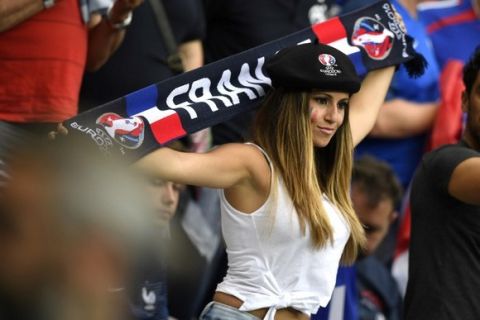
(328,65)
(128,132)
(373,37)
(327,59)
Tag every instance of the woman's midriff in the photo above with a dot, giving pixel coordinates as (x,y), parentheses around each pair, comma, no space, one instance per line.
(282,314)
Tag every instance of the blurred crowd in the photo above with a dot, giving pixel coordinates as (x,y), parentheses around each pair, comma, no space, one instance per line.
(84,237)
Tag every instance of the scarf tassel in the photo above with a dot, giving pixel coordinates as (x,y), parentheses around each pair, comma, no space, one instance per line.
(417,65)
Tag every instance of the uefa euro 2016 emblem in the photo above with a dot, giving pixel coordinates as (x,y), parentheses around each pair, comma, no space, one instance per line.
(373,37)
(327,59)
(128,132)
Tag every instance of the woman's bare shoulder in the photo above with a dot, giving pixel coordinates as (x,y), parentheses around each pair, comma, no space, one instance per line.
(249,154)
(240,149)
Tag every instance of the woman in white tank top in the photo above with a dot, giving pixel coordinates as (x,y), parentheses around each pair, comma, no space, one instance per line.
(286,212)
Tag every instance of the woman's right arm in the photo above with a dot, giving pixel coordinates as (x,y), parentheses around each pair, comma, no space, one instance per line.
(222,167)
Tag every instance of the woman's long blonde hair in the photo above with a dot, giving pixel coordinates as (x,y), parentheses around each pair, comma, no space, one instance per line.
(283,128)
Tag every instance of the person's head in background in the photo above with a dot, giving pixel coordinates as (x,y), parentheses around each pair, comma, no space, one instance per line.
(376,193)
(71,223)
(471,100)
(165,195)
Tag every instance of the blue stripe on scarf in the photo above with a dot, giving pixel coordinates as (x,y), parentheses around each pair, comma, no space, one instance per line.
(141,100)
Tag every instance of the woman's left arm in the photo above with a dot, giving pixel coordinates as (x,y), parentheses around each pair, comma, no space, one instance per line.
(365,104)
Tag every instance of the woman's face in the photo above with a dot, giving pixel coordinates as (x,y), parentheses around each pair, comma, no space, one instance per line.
(327,112)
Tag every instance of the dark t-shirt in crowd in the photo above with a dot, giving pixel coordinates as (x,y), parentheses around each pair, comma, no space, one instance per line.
(378,293)
(444,269)
(141,59)
(147,291)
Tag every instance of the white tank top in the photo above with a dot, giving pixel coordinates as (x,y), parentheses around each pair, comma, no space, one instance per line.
(275,266)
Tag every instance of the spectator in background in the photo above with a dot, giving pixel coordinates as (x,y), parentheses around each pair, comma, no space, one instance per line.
(367,290)
(448,21)
(454,28)
(71,224)
(142,59)
(376,193)
(148,289)
(444,259)
(45,47)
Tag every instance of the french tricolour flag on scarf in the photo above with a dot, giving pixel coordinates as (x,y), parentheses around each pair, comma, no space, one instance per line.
(149,118)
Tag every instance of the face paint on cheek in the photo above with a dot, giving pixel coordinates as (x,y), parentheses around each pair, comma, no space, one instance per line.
(313,114)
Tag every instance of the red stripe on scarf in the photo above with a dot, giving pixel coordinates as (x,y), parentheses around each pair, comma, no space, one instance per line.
(330,30)
(168,128)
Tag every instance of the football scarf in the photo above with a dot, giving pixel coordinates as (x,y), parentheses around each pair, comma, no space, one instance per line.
(144,120)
